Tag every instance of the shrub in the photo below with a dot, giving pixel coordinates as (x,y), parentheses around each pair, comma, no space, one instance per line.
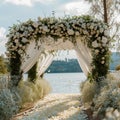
(109,97)
(31,92)
(88,91)
(8,106)
(3,67)
(117,67)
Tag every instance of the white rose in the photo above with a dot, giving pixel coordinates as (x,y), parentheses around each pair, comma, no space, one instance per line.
(96,51)
(16,41)
(106,33)
(30,29)
(17,34)
(91,27)
(103,58)
(24,40)
(70,32)
(45,29)
(104,40)
(88,24)
(85,32)
(95,44)
(20,51)
(22,28)
(83,25)
(77,33)
(35,24)
(17,28)
(102,62)
(101,30)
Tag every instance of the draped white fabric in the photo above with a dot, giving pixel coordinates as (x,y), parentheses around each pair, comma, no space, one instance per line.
(32,56)
(84,56)
(44,62)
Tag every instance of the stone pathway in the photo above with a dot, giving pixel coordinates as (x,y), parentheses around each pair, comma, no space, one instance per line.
(54,107)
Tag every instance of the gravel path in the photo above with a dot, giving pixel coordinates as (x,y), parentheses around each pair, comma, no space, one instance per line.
(55,107)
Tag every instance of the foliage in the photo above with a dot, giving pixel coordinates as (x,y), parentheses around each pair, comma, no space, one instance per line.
(32,92)
(113,11)
(15,72)
(91,31)
(11,100)
(8,104)
(88,91)
(109,97)
(3,67)
(32,73)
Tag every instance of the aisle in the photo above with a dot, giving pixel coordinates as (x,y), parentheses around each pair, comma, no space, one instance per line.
(55,107)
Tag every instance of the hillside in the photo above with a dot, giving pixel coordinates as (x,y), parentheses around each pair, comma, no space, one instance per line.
(72,65)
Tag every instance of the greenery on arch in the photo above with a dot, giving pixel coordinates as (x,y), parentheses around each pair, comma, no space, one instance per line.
(93,32)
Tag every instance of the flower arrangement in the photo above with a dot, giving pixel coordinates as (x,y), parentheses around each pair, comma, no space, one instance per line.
(95,35)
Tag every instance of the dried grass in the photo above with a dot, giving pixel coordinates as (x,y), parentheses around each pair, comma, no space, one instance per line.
(88,91)
(31,92)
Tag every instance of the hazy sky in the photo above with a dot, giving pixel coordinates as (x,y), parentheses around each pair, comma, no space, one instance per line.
(12,11)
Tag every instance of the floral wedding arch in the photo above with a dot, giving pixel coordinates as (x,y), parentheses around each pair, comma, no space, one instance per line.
(36,41)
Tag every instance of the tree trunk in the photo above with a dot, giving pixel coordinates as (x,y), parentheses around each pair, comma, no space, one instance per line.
(105,11)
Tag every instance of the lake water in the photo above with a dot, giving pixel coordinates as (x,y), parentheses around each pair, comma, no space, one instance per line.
(65,82)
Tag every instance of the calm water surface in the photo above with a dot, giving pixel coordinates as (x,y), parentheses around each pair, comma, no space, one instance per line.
(65,82)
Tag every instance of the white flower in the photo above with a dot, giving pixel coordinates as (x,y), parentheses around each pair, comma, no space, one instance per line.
(102,62)
(24,40)
(17,34)
(45,29)
(103,58)
(85,32)
(35,24)
(25,33)
(30,29)
(20,51)
(61,25)
(95,44)
(91,27)
(83,25)
(16,41)
(22,28)
(101,30)
(23,47)
(106,33)
(103,50)
(70,32)
(77,33)
(88,24)
(104,40)
(17,28)
(96,51)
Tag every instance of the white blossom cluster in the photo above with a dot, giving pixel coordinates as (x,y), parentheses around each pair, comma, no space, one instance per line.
(20,35)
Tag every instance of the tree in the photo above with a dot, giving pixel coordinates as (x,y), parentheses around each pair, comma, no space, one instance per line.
(108,11)
(3,68)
